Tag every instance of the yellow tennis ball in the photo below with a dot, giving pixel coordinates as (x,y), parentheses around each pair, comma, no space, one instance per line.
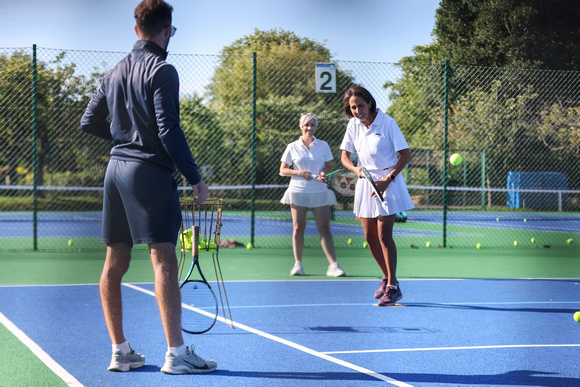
(349,241)
(533,240)
(365,245)
(211,247)
(70,242)
(478,246)
(525,220)
(577,316)
(201,246)
(515,243)
(428,244)
(249,246)
(188,245)
(570,241)
(455,159)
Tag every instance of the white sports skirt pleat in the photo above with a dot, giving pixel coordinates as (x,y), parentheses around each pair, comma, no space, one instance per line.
(397,198)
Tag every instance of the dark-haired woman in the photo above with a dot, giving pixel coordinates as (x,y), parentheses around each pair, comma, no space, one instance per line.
(376,138)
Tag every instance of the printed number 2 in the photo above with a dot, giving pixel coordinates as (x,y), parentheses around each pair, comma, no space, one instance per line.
(328,76)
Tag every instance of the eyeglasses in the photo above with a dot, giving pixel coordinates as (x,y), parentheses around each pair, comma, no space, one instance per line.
(172,32)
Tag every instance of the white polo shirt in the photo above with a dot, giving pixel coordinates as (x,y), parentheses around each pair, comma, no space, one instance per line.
(312,160)
(376,146)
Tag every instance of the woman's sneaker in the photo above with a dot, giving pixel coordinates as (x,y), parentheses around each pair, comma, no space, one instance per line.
(297,269)
(334,270)
(124,363)
(381,290)
(188,364)
(391,296)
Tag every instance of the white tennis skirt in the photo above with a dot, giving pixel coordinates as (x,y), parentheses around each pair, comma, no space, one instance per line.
(397,198)
(309,200)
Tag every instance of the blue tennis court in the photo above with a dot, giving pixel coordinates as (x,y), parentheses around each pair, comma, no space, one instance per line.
(326,333)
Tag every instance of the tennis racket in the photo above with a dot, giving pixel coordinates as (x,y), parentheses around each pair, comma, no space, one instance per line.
(342,181)
(368,176)
(197,296)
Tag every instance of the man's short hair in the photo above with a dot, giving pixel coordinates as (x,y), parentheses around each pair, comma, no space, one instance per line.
(152,16)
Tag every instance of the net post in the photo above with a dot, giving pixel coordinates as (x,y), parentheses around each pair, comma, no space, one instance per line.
(253,193)
(446,154)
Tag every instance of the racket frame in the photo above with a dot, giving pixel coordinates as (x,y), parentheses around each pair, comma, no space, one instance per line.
(369,178)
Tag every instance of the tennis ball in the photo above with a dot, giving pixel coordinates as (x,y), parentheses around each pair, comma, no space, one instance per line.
(365,245)
(211,247)
(349,241)
(202,246)
(515,243)
(478,246)
(570,241)
(70,242)
(525,220)
(577,316)
(497,219)
(533,240)
(455,159)
(188,245)
(428,244)
(249,246)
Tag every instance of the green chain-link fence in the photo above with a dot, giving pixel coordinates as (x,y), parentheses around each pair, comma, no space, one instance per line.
(518,132)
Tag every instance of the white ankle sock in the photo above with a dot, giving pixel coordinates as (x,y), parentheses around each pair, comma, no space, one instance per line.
(178,351)
(123,347)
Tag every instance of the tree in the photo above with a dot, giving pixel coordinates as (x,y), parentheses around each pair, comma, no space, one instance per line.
(539,34)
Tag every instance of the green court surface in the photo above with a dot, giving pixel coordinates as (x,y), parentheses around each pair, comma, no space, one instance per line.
(239,264)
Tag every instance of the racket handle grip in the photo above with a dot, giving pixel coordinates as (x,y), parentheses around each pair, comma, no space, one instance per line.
(195,241)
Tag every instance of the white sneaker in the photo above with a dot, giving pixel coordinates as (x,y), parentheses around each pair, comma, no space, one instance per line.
(297,269)
(124,363)
(188,364)
(334,270)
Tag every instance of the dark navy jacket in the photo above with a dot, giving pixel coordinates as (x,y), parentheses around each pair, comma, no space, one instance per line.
(141,96)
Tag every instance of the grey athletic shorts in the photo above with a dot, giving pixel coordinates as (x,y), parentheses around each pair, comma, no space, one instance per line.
(140,204)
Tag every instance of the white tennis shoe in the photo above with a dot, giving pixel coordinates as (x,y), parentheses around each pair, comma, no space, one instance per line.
(334,270)
(297,269)
(124,363)
(188,364)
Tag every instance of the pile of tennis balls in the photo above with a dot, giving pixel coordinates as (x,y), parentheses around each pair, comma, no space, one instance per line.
(203,245)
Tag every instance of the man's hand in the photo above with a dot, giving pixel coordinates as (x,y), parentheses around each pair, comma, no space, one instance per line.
(201,190)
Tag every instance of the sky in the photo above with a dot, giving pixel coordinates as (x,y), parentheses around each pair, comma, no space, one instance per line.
(353,30)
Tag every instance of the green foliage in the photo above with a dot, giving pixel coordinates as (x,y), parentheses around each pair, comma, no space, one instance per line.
(509,33)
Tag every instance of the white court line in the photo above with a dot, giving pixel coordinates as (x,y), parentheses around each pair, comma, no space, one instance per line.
(455,348)
(68,379)
(290,344)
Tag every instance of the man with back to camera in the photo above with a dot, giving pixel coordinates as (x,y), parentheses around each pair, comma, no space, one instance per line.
(141,204)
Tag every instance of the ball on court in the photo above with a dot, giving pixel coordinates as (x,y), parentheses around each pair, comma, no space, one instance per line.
(249,246)
(478,246)
(365,245)
(497,219)
(525,220)
(577,316)
(349,241)
(515,243)
(428,244)
(533,240)
(455,159)
(70,242)
(570,241)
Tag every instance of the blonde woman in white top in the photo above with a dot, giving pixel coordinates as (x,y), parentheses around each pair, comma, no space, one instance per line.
(310,160)
(376,139)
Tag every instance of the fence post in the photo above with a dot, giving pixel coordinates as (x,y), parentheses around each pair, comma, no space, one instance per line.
(34,150)
(253,194)
(446,154)
(483,167)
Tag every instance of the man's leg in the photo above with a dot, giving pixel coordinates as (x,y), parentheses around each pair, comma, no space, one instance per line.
(116,265)
(164,261)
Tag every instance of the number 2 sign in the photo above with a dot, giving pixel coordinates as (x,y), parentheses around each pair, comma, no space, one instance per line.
(325,78)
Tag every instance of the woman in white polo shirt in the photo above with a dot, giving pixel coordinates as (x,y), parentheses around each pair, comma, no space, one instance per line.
(310,160)
(376,139)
